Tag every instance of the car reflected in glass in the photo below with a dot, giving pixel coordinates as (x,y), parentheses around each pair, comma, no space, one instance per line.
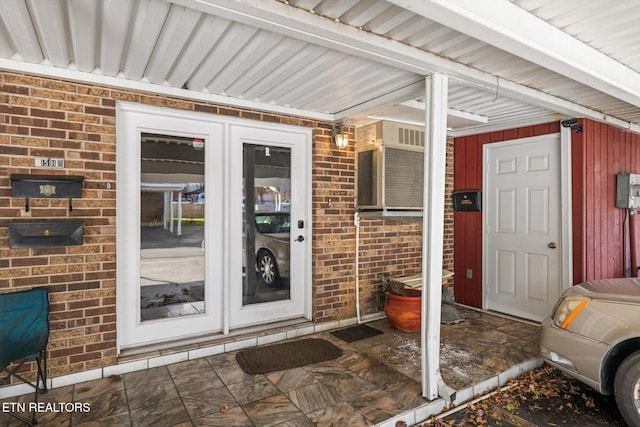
(272,241)
(272,246)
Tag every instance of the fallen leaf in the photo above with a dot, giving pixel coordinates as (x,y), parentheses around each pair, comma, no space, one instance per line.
(590,404)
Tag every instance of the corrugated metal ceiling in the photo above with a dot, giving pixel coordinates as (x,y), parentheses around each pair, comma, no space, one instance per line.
(171,44)
(610,27)
(584,23)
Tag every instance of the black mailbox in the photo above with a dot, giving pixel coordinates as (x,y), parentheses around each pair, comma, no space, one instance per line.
(467,201)
(45,234)
(46,187)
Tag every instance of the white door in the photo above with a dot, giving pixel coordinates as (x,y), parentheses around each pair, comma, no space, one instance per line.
(270,226)
(169,281)
(522,218)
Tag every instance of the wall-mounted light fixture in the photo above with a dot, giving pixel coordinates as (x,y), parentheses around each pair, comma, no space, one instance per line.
(340,138)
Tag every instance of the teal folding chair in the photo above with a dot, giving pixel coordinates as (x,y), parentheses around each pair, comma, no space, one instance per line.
(24,334)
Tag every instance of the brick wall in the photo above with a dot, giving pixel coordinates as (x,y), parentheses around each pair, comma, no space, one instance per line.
(390,246)
(53,118)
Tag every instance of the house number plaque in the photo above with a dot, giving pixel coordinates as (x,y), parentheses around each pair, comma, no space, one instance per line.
(49,163)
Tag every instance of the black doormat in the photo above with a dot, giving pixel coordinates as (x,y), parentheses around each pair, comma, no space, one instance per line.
(287,355)
(355,333)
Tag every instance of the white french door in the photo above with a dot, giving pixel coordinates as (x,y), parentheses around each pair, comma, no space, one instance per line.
(188,186)
(169,264)
(270,227)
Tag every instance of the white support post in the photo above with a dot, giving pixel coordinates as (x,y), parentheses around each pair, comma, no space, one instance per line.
(433,232)
(171,212)
(167,208)
(179,231)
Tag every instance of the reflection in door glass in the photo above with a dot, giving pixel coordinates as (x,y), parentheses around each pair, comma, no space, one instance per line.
(172,227)
(266,206)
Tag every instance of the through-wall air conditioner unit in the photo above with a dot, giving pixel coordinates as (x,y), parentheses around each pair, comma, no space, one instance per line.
(390,167)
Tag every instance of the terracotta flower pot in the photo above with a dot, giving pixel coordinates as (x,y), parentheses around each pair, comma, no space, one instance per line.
(404,313)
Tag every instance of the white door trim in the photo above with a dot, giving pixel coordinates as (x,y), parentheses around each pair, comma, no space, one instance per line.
(565,226)
(566,209)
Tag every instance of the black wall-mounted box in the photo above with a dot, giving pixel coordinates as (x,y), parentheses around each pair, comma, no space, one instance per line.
(467,201)
(45,234)
(46,187)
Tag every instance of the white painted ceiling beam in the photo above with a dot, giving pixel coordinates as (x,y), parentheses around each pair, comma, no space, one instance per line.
(394,97)
(287,20)
(505,124)
(467,116)
(396,119)
(419,105)
(502,24)
(475,130)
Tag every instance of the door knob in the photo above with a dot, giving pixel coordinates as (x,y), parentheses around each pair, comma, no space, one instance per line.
(300,239)
(552,245)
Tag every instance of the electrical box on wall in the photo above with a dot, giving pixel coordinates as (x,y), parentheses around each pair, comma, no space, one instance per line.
(628,191)
(390,166)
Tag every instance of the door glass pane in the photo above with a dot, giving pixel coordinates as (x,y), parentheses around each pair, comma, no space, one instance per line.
(266,223)
(171,226)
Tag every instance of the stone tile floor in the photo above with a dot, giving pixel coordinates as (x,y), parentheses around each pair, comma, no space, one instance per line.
(375,379)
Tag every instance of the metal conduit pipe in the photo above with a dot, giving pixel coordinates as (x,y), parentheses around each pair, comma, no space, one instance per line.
(633,243)
(356,222)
